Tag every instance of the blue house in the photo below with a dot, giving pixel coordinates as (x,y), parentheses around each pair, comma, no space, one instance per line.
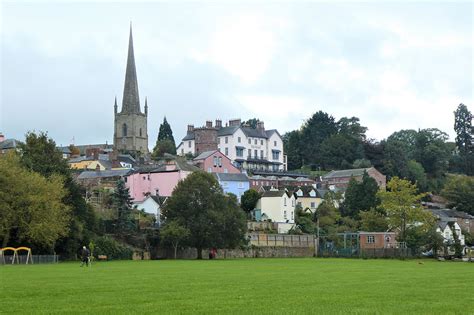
(236,184)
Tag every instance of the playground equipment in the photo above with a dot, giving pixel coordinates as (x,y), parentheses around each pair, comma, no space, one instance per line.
(16,257)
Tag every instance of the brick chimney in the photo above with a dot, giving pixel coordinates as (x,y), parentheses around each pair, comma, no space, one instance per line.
(209,124)
(234,122)
(260,125)
(218,123)
(190,128)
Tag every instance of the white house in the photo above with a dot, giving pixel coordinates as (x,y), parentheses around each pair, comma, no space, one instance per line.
(446,231)
(308,198)
(248,148)
(151,205)
(277,206)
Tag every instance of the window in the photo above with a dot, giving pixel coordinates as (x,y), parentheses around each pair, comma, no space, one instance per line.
(284,215)
(219,161)
(274,143)
(189,144)
(226,170)
(239,152)
(255,153)
(215,161)
(313,205)
(275,155)
(261,154)
(255,141)
(125,179)
(209,170)
(370,239)
(250,141)
(299,203)
(226,151)
(284,202)
(226,139)
(238,139)
(140,132)
(261,142)
(249,153)
(292,203)
(182,151)
(124,130)
(292,215)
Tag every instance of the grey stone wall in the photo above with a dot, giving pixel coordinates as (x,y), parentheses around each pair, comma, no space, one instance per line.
(252,252)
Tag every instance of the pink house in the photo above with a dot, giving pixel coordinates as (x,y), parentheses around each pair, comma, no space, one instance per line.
(158,180)
(215,162)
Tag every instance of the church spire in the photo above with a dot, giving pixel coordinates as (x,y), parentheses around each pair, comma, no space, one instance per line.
(131,99)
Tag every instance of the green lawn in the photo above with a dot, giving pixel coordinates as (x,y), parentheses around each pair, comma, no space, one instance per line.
(247,286)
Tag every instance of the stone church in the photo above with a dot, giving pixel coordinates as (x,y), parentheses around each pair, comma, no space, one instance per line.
(130,124)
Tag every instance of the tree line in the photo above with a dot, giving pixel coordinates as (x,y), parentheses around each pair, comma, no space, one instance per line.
(423,156)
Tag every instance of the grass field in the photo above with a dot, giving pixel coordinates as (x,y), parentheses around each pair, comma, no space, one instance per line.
(247,286)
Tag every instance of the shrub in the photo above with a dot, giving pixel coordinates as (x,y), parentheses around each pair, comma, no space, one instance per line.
(108,246)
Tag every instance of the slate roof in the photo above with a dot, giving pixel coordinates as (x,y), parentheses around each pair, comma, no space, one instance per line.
(102,174)
(80,159)
(180,164)
(276,193)
(306,190)
(205,155)
(227,177)
(346,173)
(450,214)
(321,192)
(9,144)
(248,131)
(159,199)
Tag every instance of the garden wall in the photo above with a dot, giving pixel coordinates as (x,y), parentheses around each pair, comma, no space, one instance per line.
(252,252)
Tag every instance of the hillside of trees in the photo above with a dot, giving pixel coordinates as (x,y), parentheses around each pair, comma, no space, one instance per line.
(423,156)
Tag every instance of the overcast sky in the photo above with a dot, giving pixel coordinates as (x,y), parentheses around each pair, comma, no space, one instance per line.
(393,66)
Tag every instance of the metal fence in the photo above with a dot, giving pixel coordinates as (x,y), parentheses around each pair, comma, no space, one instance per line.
(37,259)
(281,240)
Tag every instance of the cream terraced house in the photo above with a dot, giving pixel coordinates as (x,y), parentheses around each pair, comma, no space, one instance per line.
(248,148)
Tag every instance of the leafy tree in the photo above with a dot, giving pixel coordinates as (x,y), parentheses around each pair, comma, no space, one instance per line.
(464,140)
(352,128)
(39,154)
(373,221)
(249,200)
(173,233)
(123,204)
(252,123)
(293,149)
(401,202)
(339,151)
(360,196)
(74,150)
(327,215)
(162,147)
(165,132)
(416,174)
(315,130)
(32,207)
(304,221)
(459,191)
(361,163)
(165,142)
(213,219)
(374,152)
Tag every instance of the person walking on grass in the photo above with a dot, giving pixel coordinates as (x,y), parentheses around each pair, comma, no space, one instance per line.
(85,253)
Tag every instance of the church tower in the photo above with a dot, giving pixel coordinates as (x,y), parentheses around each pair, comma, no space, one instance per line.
(130,124)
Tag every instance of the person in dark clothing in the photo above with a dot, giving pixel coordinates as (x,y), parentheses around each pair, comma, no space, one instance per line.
(85,253)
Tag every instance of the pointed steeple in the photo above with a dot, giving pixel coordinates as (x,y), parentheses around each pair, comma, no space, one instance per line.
(115,105)
(146,106)
(131,99)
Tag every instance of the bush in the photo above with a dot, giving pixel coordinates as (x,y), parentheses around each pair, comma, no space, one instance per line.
(108,246)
